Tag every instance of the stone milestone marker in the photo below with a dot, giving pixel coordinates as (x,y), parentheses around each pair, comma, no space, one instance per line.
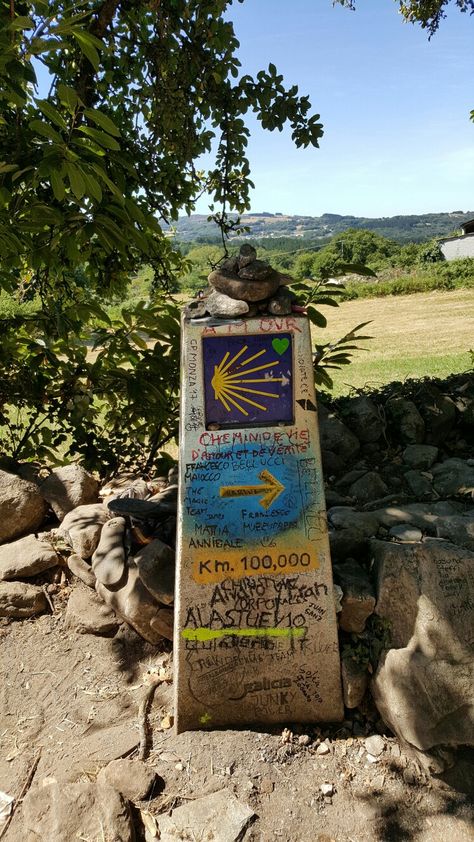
(255,626)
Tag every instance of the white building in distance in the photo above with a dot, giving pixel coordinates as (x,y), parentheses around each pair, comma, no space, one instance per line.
(462,246)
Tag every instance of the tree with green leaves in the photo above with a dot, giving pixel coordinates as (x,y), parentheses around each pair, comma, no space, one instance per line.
(106,107)
(428,13)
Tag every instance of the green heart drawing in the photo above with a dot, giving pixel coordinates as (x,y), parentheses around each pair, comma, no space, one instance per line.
(280,345)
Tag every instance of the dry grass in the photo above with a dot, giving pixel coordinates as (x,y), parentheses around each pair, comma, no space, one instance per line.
(425,334)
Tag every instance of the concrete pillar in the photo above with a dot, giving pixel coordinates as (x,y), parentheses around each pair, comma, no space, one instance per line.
(255,623)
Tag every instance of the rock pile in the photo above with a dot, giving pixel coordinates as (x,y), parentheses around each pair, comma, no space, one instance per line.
(244,286)
(131,572)
(399,468)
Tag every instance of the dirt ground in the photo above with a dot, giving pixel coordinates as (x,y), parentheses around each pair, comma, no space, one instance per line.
(70,702)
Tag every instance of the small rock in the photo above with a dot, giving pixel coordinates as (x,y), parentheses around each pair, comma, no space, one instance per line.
(81,569)
(372,759)
(355,680)
(22,508)
(255,270)
(421,456)
(26,557)
(358,600)
(81,528)
(419,485)
(17,599)
(364,419)
(405,533)
(369,487)
(304,740)
(219,816)
(453,476)
(247,254)
(222,306)
(156,567)
(68,487)
(335,436)
(375,745)
(108,560)
(406,420)
(132,778)
(327,789)
(438,412)
(322,749)
(281,303)
(87,614)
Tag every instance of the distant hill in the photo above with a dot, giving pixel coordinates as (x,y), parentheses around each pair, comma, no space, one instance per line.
(402,229)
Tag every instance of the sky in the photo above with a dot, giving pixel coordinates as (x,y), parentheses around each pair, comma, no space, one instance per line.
(395,108)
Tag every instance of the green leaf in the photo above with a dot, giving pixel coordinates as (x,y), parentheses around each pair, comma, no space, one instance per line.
(76,180)
(51,113)
(93,187)
(21,22)
(87,47)
(58,185)
(68,96)
(102,120)
(4,167)
(101,138)
(45,130)
(316,317)
(105,178)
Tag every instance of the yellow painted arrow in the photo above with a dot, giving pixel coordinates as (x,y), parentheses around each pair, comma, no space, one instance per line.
(270,490)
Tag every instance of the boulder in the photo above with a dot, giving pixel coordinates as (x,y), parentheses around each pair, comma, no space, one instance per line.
(364,419)
(419,484)
(457,529)
(423,686)
(136,605)
(19,600)
(438,412)
(405,533)
(108,560)
(335,436)
(344,517)
(405,419)
(26,557)
(421,456)
(68,487)
(369,487)
(83,810)
(81,528)
(22,508)
(87,614)
(453,476)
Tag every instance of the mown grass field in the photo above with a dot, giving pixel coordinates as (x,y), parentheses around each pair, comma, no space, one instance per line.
(420,335)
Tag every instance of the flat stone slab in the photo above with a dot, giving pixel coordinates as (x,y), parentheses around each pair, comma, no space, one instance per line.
(219,816)
(255,634)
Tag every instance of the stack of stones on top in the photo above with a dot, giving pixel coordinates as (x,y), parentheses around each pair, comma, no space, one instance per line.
(244,286)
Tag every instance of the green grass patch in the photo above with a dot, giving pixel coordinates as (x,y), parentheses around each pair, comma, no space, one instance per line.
(373,373)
